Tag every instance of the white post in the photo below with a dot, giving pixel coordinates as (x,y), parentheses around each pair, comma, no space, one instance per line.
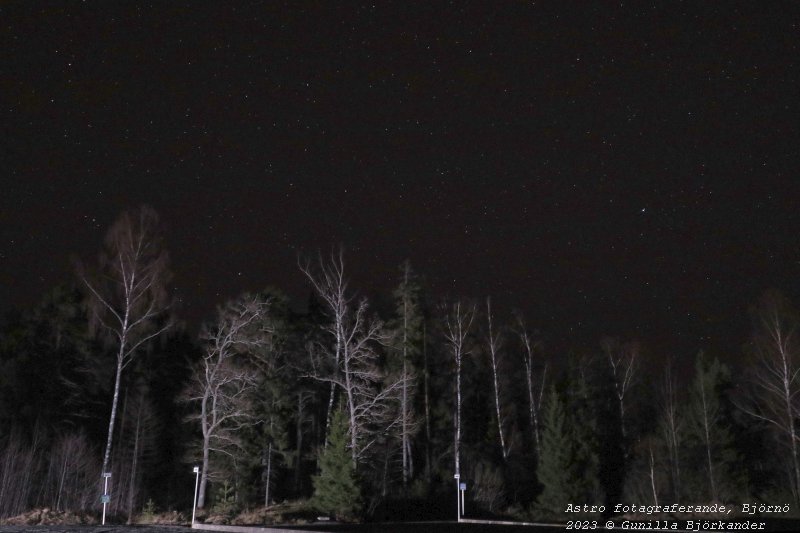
(458,499)
(463,488)
(196,471)
(106,475)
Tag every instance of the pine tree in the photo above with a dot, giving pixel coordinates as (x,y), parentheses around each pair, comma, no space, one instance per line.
(336,488)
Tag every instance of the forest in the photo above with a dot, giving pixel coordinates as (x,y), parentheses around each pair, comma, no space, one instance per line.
(365,410)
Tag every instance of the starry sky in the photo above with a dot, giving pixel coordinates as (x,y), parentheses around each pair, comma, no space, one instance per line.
(608,168)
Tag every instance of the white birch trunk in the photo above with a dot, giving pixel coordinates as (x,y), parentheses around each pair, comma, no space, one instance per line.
(131,295)
(457,443)
(458,322)
(671,431)
(134,464)
(534,399)
(653,475)
(707,429)
(354,360)
(494,346)
(623,366)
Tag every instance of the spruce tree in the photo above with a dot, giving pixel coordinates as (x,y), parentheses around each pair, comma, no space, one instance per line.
(406,341)
(583,427)
(336,488)
(556,461)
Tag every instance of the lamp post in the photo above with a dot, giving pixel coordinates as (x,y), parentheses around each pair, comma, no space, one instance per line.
(196,471)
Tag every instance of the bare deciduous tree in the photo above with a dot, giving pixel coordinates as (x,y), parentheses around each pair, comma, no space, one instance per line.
(493,343)
(220,386)
(622,359)
(129,296)
(69,483)
(705,416)
(775,379)
(671,430)
(535,390)
(330,285)
(352,362)
(458,321)
(19,462)
(60,476)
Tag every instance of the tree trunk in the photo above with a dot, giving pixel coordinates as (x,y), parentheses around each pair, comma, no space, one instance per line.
(707,438)
(493,348)
(299,441)
(134,463)
(653,476)
(201,494)
(269,473)
(114,403)
(458,417)
(351,406)
(671,433)
(329,413)
(384,484)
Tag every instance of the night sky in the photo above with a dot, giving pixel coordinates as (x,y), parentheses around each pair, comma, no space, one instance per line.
(621,169)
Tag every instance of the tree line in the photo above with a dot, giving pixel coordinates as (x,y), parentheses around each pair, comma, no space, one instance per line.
(369,413)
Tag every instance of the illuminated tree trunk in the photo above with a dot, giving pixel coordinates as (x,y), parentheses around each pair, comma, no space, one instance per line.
(534,397)
(494,342)
(129,295)
(458,321)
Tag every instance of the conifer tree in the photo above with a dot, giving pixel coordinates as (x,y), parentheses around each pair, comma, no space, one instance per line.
(555,471)
(583,427)
(336,488)
(406,335)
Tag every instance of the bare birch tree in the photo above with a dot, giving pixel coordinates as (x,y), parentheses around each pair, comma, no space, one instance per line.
(671,430)
(622,359)
(406,339)
(535,390)
(222,388)
(352,363)
(775,379)
(458,321)
(705,417)
(329,283)
(709,430)
(493,343)
(129,296)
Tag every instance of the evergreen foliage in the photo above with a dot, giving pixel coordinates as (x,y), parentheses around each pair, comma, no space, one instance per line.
(403,361)
(583,429)
(336,487)
(556,471)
